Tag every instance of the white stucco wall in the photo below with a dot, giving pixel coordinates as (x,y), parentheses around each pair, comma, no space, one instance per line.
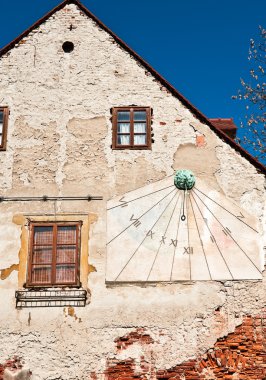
(59,143)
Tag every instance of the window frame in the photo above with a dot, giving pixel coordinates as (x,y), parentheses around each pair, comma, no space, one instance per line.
(3,140)
(131,146)
(53,284)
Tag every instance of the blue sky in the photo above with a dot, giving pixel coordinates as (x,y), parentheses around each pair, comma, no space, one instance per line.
(200,47)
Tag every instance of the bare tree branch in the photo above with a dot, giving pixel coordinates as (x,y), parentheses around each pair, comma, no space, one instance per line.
(253,93)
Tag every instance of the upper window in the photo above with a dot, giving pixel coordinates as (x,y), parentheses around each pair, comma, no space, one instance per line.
(54,254)
(131,128)
(3,127)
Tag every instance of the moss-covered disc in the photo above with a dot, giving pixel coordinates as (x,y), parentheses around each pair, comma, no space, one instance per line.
(184,179)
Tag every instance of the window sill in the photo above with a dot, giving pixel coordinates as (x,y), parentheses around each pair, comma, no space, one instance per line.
(131,148)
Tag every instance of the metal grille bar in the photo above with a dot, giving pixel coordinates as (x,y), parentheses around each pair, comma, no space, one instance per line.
(50,298)
(46,198)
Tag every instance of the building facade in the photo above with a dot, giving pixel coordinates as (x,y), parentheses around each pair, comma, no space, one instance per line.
(132,229)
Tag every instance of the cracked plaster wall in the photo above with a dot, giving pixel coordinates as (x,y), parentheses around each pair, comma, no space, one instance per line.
(59,143)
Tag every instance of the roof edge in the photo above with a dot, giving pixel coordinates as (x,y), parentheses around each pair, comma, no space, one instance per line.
(258,165)
(61,5)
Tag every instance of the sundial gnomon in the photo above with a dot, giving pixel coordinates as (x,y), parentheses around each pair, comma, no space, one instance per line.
(162,233)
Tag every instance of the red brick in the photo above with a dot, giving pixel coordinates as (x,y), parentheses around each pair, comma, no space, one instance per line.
(200,141)
(239,355)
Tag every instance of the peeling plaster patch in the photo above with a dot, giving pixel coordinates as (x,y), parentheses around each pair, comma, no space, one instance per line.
(22,130)
(42,144)
(236,177)
(5,273)
(24,178)
(250,201)
(179,333)
(62,154)
(239,355)
(134,174)
(21,374)
(189,157)
(42,162)
(86,162)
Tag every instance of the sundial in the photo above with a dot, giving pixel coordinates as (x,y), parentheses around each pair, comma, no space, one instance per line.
(179,229)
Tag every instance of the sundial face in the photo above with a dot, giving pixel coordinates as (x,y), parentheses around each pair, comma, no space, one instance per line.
(163,233)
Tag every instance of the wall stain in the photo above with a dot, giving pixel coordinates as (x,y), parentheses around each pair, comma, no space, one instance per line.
(189,156)
(5,273)
(70,312)
(29,319)
(91,268)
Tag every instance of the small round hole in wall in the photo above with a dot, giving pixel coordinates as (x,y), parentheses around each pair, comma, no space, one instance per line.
(68,47)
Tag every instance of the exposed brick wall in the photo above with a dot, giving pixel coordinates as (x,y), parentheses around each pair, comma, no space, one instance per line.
(13,364)
(125,369)
(239,356)
(135,336)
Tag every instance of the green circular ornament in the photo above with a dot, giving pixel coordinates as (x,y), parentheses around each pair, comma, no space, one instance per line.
(184,179)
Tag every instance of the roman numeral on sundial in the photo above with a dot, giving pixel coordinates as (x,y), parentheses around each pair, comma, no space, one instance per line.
(241,216)
(136,223)
(173,242)
(212,226)
(188,250)
(226,231)
(150,233)
(123,202)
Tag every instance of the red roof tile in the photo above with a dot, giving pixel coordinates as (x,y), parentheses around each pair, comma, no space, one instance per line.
(224,123)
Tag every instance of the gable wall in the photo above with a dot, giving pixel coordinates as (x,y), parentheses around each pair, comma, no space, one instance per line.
(59,140)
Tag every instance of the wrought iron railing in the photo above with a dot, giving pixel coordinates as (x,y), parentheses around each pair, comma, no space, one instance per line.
(50,298)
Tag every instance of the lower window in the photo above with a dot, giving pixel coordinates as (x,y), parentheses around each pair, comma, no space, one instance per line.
(54,254)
